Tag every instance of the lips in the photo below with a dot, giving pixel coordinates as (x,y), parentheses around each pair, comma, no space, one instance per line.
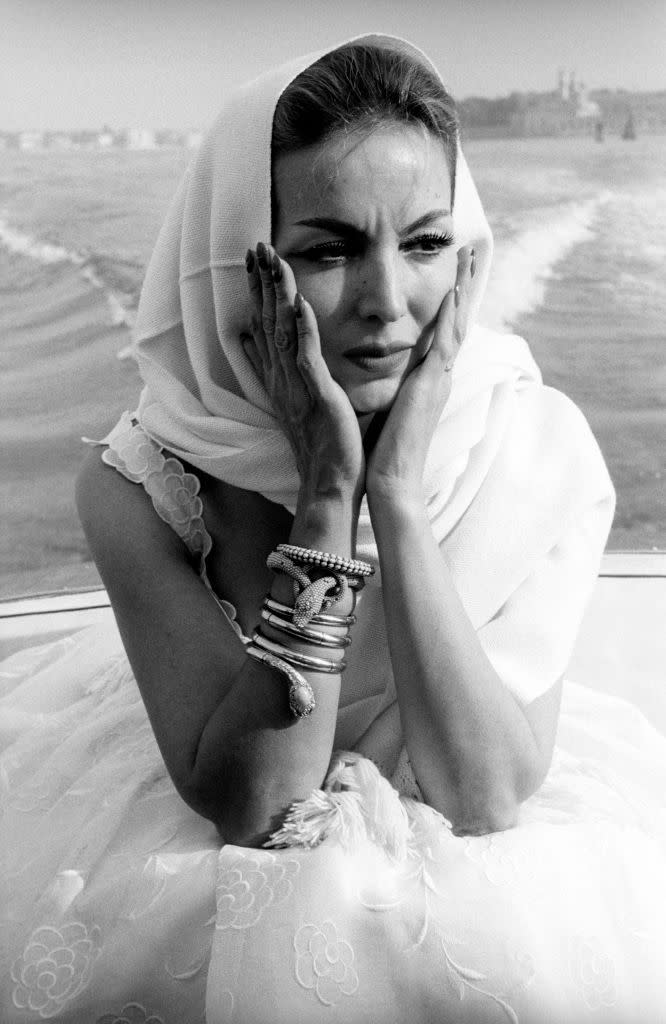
(374,359)
(375,351)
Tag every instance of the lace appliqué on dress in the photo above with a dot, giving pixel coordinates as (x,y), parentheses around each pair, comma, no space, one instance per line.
(173,492)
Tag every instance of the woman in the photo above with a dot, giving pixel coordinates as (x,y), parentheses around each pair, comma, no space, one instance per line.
(324,389)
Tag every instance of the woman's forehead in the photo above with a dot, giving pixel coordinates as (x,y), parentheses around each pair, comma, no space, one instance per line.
(396,168)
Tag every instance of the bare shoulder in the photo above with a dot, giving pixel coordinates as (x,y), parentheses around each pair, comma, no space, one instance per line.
(117,515)
(127,536)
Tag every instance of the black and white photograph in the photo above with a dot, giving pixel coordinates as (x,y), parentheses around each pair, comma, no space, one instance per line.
(332,512)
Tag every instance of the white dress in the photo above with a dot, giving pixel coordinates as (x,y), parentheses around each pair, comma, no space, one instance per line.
(120,904)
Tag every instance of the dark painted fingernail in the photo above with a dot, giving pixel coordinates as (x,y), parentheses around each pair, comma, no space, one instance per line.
(298,304)
(472,266)
(276,267)
(456,295)
(249,261)
(262,256)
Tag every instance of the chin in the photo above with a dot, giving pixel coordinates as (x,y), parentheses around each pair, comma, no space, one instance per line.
(374,396)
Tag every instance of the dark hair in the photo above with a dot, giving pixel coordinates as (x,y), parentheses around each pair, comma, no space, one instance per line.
(361,86)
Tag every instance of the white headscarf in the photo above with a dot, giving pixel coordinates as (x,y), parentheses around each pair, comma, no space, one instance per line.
(202,399)
(203,402)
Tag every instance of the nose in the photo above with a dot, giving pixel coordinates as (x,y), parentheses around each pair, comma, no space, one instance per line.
(381,289)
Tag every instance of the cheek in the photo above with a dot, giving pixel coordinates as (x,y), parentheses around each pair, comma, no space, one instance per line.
(435,283)
(325,291)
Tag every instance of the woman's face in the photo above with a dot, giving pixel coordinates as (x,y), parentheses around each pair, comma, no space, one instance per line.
(365,223)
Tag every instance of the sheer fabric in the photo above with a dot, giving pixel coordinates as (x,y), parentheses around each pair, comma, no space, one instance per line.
(120,903)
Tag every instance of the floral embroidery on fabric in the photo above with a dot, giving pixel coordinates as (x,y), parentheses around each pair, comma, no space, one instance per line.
(594,971)
(174,493)
(38,793)
(249,885)
(502,860)
(56,965)
(325,962)
(131,1013)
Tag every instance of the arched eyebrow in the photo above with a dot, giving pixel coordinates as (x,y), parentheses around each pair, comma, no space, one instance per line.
(341,227)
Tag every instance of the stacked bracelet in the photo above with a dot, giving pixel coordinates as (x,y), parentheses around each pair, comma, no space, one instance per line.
(296,658)
(326,560)
(314,636)
(311,598)
(316,620)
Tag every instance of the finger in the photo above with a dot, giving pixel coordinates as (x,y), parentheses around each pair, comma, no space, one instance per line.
(309,358)
(254,281)
(286,333)
(250,350)
(284,285)
(257,301)
(264,256)
(466,264)
(443,346)
(451,325)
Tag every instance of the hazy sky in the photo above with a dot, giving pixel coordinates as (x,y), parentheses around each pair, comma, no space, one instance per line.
(67,64)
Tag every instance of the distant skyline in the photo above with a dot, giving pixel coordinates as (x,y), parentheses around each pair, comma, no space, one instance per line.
(73,64)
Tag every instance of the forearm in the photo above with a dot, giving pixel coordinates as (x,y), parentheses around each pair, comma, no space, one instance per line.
(254,759)
(470,744)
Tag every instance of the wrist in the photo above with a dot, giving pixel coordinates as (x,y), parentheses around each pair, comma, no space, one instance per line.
(327,522)
(400,497)
(324,524)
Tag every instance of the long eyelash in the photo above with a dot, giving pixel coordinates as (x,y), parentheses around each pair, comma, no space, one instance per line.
(333,246)
(341,247)
(442,239)
(324,246)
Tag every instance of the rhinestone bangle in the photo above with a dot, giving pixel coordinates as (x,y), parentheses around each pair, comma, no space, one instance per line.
(298,659)
(326,560)
(303,633)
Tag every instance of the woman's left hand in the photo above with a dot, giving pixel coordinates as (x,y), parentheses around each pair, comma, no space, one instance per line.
(395,465)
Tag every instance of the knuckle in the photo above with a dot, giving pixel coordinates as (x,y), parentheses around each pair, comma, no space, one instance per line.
(282,337)
(304,362)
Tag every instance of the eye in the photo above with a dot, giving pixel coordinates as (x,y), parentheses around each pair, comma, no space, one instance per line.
(333,252)
(430,244)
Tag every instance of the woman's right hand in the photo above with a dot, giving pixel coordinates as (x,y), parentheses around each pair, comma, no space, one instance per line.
(285,351)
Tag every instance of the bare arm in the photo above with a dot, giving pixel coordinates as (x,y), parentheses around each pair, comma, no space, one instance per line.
(475,751)
(221,719)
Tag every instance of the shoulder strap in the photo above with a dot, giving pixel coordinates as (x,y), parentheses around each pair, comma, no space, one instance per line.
(173,492)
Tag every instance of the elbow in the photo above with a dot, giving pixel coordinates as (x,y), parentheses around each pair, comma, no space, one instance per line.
(479,817)
(243,813)
(235,825)
(495,806)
